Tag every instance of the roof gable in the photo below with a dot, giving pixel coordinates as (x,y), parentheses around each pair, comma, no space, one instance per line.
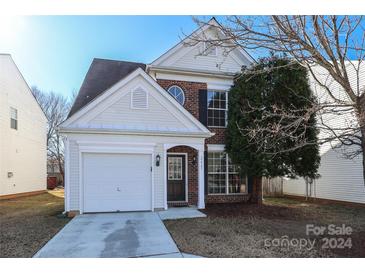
(112,110)
(101,75)
(191,54)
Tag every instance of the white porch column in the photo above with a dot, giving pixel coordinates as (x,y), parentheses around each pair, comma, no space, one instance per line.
(164,162)
(201,185)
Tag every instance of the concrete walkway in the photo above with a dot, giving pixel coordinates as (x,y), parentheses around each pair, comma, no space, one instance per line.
(174,213)
(112,235)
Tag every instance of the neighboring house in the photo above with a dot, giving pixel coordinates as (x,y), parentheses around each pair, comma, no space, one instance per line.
(23,152)
(341,179)
(145,137)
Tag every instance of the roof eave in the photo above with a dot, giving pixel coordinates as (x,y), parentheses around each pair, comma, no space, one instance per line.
(67,130)
(228,75)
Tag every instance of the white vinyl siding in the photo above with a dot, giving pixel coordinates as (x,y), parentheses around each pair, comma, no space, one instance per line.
(194,60)
(115,112)
(22,151)
(74,187)
(194,57)
(341,179)
(119,114)
(210,49)
(73,161)
(191,55)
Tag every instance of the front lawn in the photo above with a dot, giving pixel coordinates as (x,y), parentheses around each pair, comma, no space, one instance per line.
(240,230)
(28,223)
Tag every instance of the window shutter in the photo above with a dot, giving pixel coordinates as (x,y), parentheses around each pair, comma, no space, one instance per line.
(203,107)
(139,99)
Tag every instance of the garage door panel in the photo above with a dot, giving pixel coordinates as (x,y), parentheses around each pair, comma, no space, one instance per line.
(116,182)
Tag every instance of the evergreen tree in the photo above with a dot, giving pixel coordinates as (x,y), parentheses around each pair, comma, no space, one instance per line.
(270,130)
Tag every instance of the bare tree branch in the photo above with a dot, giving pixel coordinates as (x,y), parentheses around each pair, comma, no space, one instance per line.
(332,48)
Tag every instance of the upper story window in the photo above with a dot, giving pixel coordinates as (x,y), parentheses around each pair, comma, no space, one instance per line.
(217,108)
(177,93)
(210,49)
(13,118)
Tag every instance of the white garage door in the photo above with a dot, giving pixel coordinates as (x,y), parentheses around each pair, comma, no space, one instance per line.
(116,182)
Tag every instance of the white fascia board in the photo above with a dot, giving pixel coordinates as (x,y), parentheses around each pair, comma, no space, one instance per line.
(123,82)
(213,22)
(175,103)
(100,98)
(245,54)
(179,45)
(65,130)
(207,73)
(213,81)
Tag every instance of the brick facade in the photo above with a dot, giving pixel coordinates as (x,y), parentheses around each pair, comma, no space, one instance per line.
(219,199)
(191,91)
(218,138)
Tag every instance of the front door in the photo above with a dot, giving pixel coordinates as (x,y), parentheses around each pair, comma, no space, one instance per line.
(176,177)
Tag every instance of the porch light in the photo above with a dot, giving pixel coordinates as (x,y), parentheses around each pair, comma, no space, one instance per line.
(194,160)
(158,158)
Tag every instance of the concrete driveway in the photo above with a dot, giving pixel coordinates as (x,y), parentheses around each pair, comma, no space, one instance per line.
(112,235)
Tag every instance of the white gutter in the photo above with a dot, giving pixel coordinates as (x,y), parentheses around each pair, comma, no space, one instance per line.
(226,75)
(136,132)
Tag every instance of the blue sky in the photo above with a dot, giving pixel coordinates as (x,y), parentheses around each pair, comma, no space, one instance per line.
(54,52)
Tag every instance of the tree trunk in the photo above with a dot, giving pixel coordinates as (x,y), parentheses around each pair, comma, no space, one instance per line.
(363,152)
(60,167)
(257,190)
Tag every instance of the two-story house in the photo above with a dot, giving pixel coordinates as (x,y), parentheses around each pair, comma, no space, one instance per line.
(149,136)
(23,144)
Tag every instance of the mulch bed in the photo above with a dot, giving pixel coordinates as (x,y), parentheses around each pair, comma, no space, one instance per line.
(239,230)
(28,223)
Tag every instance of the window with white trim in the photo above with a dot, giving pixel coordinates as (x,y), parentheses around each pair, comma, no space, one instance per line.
(177,93)
(223,176)
(217,104)
(13,118)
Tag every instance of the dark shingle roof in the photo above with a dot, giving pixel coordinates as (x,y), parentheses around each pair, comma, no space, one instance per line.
(102,75)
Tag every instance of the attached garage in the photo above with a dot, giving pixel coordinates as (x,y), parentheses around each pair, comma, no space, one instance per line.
(116,146)
(116,182)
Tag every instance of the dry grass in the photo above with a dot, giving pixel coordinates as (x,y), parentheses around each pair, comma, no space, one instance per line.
(28,223)
(240,230)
